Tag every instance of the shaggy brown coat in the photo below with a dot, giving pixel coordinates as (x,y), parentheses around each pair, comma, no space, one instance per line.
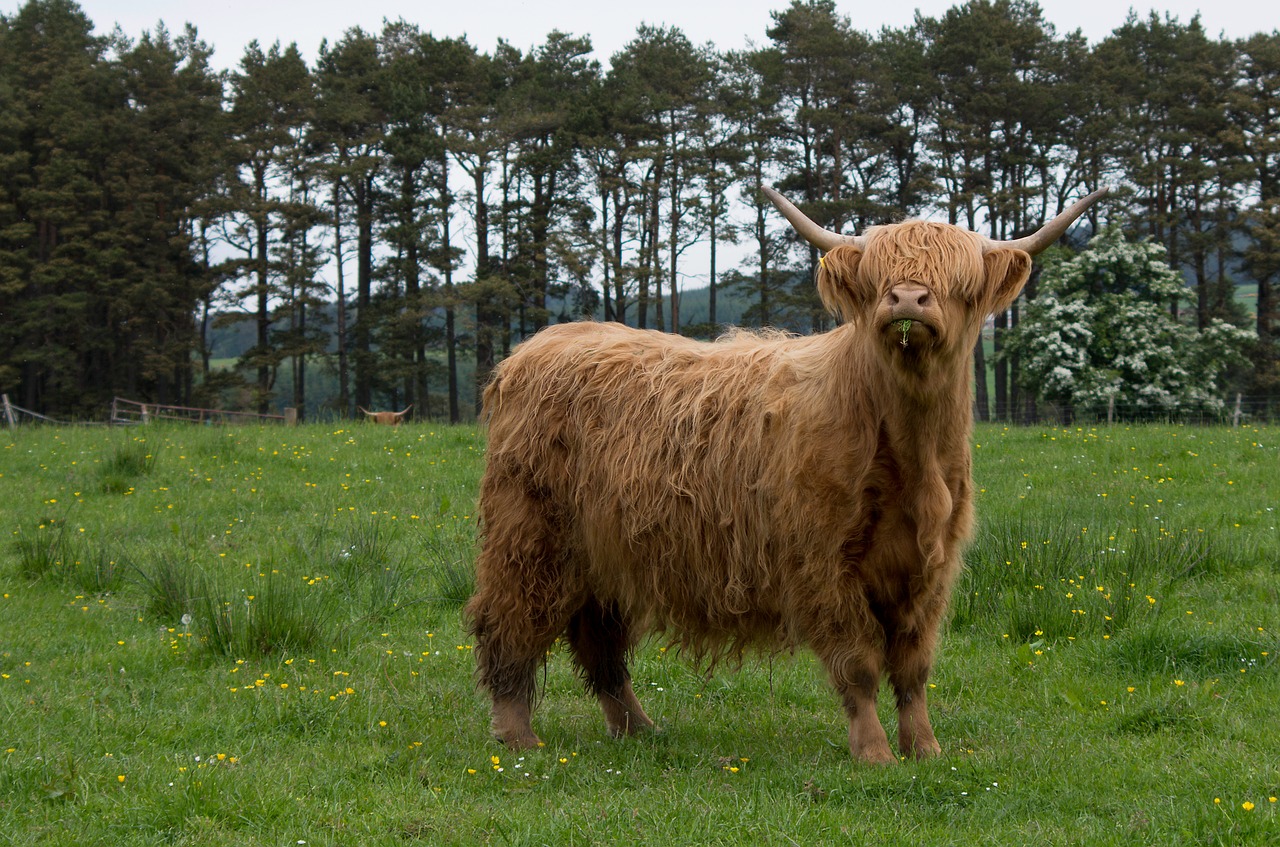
(761,490)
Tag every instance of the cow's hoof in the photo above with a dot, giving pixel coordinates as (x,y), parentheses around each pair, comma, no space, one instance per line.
(632,729)
(520,741)
(511,725)
(876,756)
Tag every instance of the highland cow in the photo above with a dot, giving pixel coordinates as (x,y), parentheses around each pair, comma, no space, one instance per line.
(385,418)
(760,490)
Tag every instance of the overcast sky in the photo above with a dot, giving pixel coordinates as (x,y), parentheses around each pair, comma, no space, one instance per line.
(228,25)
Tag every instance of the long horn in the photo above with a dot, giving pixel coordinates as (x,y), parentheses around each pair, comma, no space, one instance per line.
(1053,230)
(823,239)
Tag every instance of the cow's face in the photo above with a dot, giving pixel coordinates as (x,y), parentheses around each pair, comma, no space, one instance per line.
(384,418)
(923,288)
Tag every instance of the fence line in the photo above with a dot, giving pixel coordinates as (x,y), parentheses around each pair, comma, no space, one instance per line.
(126,412)
(13,415)
(130,412)
(1235,414)
(1240,410)
(1246,409)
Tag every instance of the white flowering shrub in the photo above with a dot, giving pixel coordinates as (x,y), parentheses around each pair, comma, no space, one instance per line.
(1101,330)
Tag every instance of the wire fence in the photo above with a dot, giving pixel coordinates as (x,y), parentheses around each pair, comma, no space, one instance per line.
(130,412)
(1244,410)
(135,412)
(16,415)
(1241,410)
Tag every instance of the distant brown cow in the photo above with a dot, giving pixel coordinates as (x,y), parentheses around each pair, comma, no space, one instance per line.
(385,418)
(761,490)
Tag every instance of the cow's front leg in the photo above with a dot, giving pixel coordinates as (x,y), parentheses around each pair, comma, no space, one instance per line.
(855,672)
(867,739)
(915,734)
(910,660)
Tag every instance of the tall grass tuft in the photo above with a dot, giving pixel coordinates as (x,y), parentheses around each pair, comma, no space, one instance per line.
(277,617)
(169,585)
(1042,575)
(378,594)
(1170,647)
(129,461)
(1186,708)
(371,576)
(41,553)
(451,565)
(52,553)
(364,546)
(94,567)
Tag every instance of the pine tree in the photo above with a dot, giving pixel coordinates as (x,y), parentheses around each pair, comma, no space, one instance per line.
(758,116)
(476,136)
(660,78)
(550,86)
(272,104)
(1169,84)
(350,127)
(417,82)
(1255,116)
(56,244)
(821,73)
(166,162)
(720,162)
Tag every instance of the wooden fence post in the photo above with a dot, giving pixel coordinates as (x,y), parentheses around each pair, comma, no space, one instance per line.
(290,416)
(8,412)
(1235,418)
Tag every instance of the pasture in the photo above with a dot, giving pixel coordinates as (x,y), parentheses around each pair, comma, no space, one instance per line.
(252,636)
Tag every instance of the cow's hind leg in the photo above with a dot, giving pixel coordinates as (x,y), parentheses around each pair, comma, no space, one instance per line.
(507,662)
(520,607)
(600,640)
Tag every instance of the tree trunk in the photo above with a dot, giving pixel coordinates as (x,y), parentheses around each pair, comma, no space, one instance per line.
(1001,368)
(655,265)
(673,240)
(344,398)
(263,309)
(300,370)
(416,382)
(981,405)
(619,279)
(450,325)
(488,316)
(364,294)
(711,284)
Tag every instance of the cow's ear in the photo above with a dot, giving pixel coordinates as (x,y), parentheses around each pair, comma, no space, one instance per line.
(839,285)
(1007,270)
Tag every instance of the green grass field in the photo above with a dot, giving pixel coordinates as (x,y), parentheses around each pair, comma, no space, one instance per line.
(252,636)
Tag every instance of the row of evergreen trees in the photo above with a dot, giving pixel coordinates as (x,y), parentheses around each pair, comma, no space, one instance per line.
(469,198)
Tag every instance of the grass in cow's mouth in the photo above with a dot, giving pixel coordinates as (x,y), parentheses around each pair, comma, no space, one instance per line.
(904,326)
